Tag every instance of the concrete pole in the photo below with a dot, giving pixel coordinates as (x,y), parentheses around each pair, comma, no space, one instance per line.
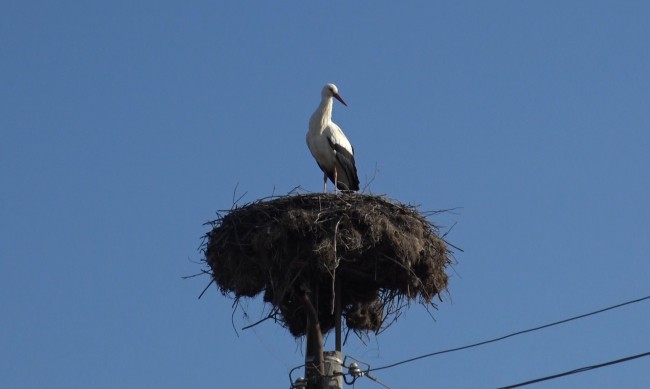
(334,359)
(314,367)
(333,370)
(337,314)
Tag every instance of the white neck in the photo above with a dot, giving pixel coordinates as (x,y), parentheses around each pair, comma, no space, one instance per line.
(322,115)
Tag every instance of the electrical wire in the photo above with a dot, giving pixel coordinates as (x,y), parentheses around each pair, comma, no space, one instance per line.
(377,381)
(509,335)
(580,370)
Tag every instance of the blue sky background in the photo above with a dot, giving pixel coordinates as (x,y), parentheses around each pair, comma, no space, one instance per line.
(126,125)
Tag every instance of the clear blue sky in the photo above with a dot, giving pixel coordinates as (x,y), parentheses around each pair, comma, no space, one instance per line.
(126,125)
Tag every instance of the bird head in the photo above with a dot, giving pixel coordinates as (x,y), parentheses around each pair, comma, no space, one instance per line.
(330,90)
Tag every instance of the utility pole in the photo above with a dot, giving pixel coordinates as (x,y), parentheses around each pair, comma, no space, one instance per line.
(314,367)
(333,378)
(334,359)
(323,369)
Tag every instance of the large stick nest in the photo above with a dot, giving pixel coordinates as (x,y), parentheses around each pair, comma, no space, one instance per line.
(384,254)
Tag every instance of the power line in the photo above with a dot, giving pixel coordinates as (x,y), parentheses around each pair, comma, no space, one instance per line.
(510,335)
(520,333)
(580,370)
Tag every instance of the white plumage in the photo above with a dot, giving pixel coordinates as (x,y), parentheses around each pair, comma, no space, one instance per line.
(329,145)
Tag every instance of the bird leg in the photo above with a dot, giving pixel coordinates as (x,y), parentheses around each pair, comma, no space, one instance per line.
(336,182)
(324,182)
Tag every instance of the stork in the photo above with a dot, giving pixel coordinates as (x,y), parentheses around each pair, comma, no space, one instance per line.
(332,150)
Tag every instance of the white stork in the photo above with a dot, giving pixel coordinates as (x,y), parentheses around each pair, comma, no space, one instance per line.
(329,146)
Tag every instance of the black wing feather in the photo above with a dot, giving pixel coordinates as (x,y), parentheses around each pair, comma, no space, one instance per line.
(347,178)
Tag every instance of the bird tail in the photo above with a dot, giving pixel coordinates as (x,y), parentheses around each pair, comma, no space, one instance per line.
(349,180)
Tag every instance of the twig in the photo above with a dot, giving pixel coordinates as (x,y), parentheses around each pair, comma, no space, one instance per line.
(235,304)
(234,192)
(368,182)
(271,315)
(203,271)
(336,265)
(206,288)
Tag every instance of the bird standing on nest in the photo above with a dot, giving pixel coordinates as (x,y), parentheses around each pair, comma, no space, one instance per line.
(329,146)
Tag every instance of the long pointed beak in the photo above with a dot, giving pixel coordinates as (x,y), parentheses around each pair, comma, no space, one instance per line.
(339,98)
